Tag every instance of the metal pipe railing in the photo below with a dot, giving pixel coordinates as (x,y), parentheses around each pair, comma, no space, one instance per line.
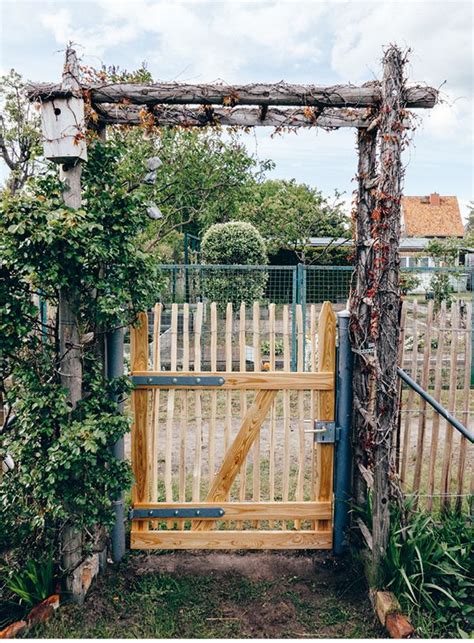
(343,465)
(115,369)
(436,405)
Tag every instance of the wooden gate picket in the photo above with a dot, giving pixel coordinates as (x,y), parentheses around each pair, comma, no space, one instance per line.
(167,510)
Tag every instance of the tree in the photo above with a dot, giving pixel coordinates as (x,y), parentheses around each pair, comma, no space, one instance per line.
(446,254)
(234,243)
(203,180)
(20,138)
(288,214)
(445,251)
(469,229)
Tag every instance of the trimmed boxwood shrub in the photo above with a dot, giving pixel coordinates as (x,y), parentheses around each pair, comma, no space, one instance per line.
(235,244)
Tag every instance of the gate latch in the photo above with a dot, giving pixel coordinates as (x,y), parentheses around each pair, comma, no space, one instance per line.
(326,432)
(180,512)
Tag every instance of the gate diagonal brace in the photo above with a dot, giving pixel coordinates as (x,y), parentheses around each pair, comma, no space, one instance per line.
(183,512)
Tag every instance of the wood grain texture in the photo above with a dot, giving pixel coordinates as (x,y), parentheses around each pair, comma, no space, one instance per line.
(272,441)
(140,466)
(280,93)
(253,510)
(441,337)
(250,380)
(326,406)
(239,449)
(299,493)
(243,396)
(464,446)
(449,435)
(410,396)
(257,360)
(231,540)
(228,368)
(401,360)
(213,418)
(197,404)
(179,116)
(425,375)
(183,427)
(171,407)
(155,419)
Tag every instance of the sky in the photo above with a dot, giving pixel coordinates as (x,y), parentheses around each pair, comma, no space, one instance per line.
(324,43)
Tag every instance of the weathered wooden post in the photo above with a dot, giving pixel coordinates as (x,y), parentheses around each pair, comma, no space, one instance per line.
(375,302)
(63,127)
(363,378)
(387,295)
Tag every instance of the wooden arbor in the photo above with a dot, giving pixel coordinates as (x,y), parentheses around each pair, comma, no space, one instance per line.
(378,112)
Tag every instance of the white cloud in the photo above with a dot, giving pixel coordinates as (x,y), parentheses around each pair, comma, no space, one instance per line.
(239,41)
(439,34)
(96,40)
(210,40)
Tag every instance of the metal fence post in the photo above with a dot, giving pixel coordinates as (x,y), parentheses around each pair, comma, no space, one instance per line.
(43,307)
(114,347)
(472,326)
(295,300)
(343,464)
(303,273)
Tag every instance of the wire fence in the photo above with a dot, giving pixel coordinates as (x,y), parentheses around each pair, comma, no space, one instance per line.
(298,284)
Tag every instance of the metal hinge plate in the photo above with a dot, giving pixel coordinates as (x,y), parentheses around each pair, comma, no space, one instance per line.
(326,432)
(188,381)
(182,512)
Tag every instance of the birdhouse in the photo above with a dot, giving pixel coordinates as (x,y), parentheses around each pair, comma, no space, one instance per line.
(64,130)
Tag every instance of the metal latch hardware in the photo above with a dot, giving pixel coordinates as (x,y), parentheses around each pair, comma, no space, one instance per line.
(188,381)
(182,512)
(325,432)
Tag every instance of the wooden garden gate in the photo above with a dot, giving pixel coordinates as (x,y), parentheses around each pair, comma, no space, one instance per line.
(176,503)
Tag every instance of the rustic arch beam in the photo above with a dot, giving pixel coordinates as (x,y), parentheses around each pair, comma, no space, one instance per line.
(180,116)
(279,94)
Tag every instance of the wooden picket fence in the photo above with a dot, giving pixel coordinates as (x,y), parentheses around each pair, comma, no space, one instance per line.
(199,449)
(435,462)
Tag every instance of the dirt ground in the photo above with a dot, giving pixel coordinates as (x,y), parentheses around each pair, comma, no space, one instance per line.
(222,595)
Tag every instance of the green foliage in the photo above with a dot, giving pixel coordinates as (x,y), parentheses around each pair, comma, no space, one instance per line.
(265,347)
(408,282)
(445,251)
(64,470)
(429,565)
(17,313)
(235,243)
(288,213)
(19,131)
(470,223)
(203,180)
(92,251)
(33,582)
(442,288)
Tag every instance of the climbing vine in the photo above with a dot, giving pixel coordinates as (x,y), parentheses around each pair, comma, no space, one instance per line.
(64,470)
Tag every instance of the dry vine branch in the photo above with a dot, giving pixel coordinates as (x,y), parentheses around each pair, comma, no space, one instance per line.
(162,115)
(375,299)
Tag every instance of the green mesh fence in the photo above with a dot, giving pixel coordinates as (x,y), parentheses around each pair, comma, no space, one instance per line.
(293,284)
(224,284)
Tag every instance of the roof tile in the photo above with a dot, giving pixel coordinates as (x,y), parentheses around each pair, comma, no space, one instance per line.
(422,219)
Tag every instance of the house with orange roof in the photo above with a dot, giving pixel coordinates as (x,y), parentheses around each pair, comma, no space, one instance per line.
(424,218)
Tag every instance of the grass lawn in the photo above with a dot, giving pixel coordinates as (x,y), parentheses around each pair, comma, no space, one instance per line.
(221,595)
